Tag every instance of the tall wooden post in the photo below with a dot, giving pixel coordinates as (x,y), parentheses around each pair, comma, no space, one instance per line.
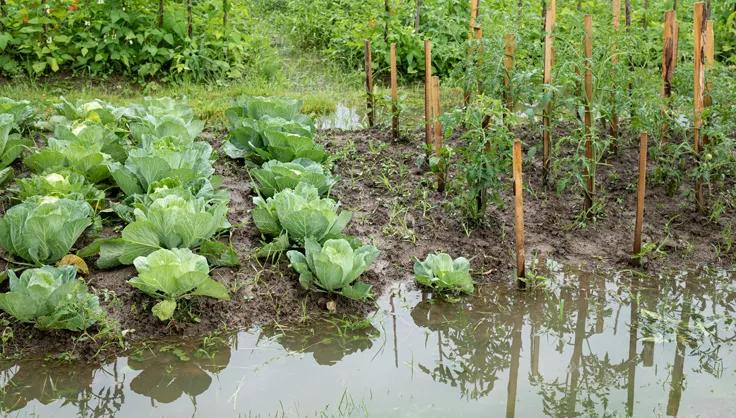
(387,18)
(437,133)
(589,173)
(418,16)
(550,18)
(479,63)
(471,30)
(508,65)
(616,14)
(394,94)
(640,192)
(518,210)
(160,13)
(369,83)
(427,93)
(189,18)
(669,58)
(709,62)
(627,12)
(699,25)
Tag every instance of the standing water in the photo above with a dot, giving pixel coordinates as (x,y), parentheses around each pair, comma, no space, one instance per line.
(582,345)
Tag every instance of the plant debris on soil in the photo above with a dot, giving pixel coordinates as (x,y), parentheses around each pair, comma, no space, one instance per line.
(396,207)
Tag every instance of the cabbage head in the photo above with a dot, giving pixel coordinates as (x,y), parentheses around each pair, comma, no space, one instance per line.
(445,275)
(275,176)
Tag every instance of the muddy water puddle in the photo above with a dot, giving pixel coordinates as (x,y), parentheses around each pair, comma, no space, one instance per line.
(584,345)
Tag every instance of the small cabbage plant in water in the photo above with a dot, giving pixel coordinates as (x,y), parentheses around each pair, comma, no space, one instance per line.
(334,267)
(445,275)
(51,298)
(170,275)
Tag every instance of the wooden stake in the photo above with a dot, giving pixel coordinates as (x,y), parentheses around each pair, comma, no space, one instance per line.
(550,18)
(418,16)
(669,58)
(616,13)
(437,132)
(394,94)
(699,85)
(518,210)
(160,13)
(189,18)
(640,192)
(369,83)
(590,180)
(427,93)
(709,62)
(471,29)
(479,52)
(225,8)
(508,64)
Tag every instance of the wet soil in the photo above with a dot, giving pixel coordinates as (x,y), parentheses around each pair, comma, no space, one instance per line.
(395,206)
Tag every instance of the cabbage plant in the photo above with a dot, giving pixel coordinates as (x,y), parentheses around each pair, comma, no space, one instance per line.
(11,146)
(334,267)
(275,176)
(62,185)
(51,298)
(21,110)
(445,275)
(170,275)
(300,214)
(43,229)
(172,218)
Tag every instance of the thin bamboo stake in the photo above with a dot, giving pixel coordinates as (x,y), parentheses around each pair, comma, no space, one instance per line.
(437,131)
(508,64)
(669,58)
(699,85)
(519,210)
(589,174)
(369,83)
(550,18)
(427,93)
(640,193)
(394,94)
(471,29)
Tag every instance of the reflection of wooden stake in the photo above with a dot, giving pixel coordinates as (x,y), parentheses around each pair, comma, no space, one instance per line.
(427,93)
(437,133)
(699,85)
(551,16)
(394,94)
(589,172)
(508,64)
(669,58)
(369,83)
(519,211)
(640,193)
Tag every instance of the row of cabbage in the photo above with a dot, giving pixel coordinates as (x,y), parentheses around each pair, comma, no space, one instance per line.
(148,159)
(293,208)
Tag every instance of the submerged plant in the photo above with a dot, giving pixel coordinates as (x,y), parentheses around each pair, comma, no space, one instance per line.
(51,298)
(445,275)
(275,176)
(334,267)
(43,229)
(171,275)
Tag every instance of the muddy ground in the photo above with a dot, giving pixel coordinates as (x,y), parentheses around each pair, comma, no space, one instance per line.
(396,208)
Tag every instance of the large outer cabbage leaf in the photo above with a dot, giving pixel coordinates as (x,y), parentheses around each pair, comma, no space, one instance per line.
(52,298)
(334,267)
(43,229)
(440,272)
(21,110)
(275,176)
(11,146)
(173,274)
(174,218)
(301,214)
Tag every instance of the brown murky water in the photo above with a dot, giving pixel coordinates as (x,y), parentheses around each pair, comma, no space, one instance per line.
(585,345)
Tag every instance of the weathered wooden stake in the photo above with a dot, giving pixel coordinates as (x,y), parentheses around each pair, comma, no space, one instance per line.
(189,18)
(508,64)
(699,85)
(160,13)
(519,210)
(471,29)
(709,62)
(427,93)
(369,83)
(669,58)
(589,173)
(640,193)
(394,94)
(550,18)
(616,13)
(418,16)
(479,63)
(437,132)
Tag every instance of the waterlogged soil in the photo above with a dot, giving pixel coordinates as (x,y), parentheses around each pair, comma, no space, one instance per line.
(396,207)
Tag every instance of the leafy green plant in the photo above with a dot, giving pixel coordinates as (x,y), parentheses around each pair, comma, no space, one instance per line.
(170,218)
(51,298)
(43,229)
(67,185)
(171,275)
(21,110)
(334,267)
(298,215)
(445,275)
(11,145)
(275,176)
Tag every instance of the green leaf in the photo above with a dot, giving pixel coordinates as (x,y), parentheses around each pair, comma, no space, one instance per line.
(164,310)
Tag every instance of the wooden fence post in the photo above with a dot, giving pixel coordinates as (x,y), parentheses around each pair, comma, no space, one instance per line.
(437,133)
(394,94)
(519,211)
(669,58)
(589,172)
(550,18)
(640,193)
(699,85)
(508,65)
(427,94)
(369,83)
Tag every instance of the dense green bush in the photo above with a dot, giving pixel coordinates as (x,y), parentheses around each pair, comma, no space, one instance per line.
(114,37)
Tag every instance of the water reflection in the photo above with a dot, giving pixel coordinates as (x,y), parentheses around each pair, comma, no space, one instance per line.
(345,118)
(623,345)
